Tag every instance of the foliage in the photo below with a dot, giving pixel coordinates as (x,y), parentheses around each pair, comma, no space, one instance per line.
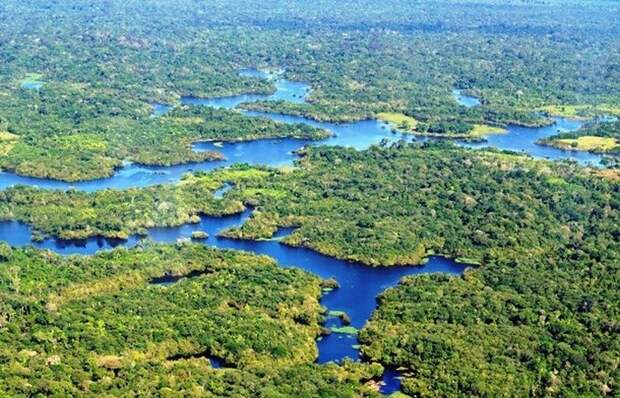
(102,64)
(95,325)
(397,205)
(537,326)
(536,317)
(59,139)
(383,206)
(119,214)
(399,121)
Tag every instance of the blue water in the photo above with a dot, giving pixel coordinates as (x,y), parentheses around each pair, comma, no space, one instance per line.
(283,232)
(606,119)
(465,100)
(278,152)
(31,85)
(359,284)
(523,139)
(295,92)
(390,382)
(18,234)
(216,363)
(220,192)
(160,109)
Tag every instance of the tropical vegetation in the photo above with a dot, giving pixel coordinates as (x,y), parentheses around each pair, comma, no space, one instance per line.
(76,93)
(237,325)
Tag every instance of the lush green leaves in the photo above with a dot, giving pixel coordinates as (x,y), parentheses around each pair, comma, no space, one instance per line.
(95,325)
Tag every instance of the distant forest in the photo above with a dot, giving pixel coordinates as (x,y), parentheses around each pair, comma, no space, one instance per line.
(99,64)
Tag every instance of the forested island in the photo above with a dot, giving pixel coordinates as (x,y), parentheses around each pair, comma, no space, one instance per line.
(95,144)
(385,206)
(522,221)
(493,272)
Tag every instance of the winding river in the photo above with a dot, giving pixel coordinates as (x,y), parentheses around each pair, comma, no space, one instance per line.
(278,152)
(356,296)
(359,284)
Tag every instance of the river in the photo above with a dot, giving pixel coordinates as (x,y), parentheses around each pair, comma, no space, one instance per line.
(278,152)
(356,296)
(359,284)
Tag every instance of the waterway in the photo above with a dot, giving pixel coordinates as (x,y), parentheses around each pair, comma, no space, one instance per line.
(359,284)
(356,296)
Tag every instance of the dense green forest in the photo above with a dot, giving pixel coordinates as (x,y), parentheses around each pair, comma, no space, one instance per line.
(539,326)
(119,214)
(538,316)
(383,206)
(537,313)
(93,326)
(398,204)
(44,137)
(96,66)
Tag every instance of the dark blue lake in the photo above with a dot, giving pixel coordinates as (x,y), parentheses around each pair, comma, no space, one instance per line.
(356,296)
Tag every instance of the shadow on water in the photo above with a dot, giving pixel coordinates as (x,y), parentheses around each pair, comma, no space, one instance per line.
(216,363)
(390,382)
(282,233)
(171,279)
